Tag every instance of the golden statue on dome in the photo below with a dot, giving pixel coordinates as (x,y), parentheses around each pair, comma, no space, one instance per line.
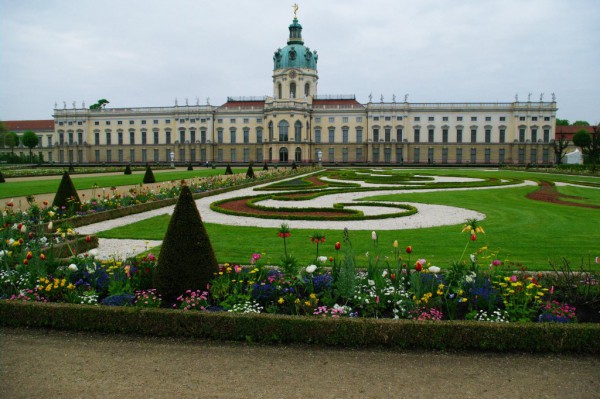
(295,7)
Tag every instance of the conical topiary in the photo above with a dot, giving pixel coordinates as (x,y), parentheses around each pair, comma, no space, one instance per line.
(250,172)
(186,260)
(2,178)
(127,170)
(66,195)
(265,167)
(149,176)
(190,167)
(294,166)
(228,170)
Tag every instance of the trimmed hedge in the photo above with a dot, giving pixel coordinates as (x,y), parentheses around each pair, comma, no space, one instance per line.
(295,213)
(340,332)
(79,245)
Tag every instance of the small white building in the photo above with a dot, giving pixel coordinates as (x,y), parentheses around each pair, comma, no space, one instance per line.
(574,157)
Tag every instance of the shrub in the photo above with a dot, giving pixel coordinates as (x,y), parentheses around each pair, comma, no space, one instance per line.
(228,170)
(190,167)
(294,166)
(127,169)
(186,260)
(265,167)
(149,176)
(66,195)
(250,172)
(2,178)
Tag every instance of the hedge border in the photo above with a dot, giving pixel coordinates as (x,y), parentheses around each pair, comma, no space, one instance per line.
(280,329)
(304,213)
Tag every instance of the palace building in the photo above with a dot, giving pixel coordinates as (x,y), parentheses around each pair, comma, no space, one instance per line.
(297,123)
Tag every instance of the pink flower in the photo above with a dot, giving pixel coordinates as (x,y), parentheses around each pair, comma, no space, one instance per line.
(513,278)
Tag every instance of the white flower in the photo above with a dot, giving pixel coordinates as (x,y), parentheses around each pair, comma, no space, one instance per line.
(311,268)
(93,252)
(2,253)
(322,259)
(73,267)
(374,236)
(473,258)
(371,282)
(385,273)
(50,226)
(23,229)
(434,269)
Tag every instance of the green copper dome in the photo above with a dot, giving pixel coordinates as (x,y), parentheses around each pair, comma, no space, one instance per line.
(295,54)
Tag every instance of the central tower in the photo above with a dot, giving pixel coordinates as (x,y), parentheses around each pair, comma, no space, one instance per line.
(295,68)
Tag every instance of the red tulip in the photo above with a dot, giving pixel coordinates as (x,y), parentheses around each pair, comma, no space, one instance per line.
(338,246)
(42,257)
(25,262)
(29,255)
(418,267)
(408,249)
(473,237)
(88,238)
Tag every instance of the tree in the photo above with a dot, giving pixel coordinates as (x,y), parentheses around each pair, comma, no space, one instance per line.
(100,104)
(66,195)
(250,172)
(228,170)
(562,122)
(186,260)
(589,143)
(30,140)
(560,147)
(11,140)
(3,131)
(127,170)
(149,176)
(580,123)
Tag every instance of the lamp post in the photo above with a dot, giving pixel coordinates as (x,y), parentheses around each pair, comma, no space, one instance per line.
(172,158)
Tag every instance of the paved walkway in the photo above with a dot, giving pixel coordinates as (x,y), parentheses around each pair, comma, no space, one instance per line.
(54,364)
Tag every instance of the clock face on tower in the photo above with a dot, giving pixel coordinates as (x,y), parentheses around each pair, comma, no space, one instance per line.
(292,75)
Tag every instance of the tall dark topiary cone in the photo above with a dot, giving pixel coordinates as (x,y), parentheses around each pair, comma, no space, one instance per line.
(265,167)
(250,172)
(186,260)
(66,195)
(190,167)
(228,170)
(149,176)
(294,166)
(2,178)
(127,170)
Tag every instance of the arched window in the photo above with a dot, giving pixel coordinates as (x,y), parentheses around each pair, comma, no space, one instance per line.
(283,130)
(298,131)
(283,154)
(298,154)
(307,89)
(292,90)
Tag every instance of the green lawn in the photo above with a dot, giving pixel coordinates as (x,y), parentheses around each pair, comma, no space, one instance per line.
(12,189)
(520,230)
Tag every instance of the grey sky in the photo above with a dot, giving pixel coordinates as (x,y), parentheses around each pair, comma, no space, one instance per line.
(147,53)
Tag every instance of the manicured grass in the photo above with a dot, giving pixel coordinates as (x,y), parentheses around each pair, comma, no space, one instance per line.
(518,229)
(12,189)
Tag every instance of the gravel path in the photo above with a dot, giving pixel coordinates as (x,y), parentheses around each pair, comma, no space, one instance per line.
(55,364)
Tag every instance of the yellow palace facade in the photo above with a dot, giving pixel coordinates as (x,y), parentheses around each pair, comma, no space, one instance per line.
(296,123)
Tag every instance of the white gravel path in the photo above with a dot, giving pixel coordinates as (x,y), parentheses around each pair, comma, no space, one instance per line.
(427,216)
